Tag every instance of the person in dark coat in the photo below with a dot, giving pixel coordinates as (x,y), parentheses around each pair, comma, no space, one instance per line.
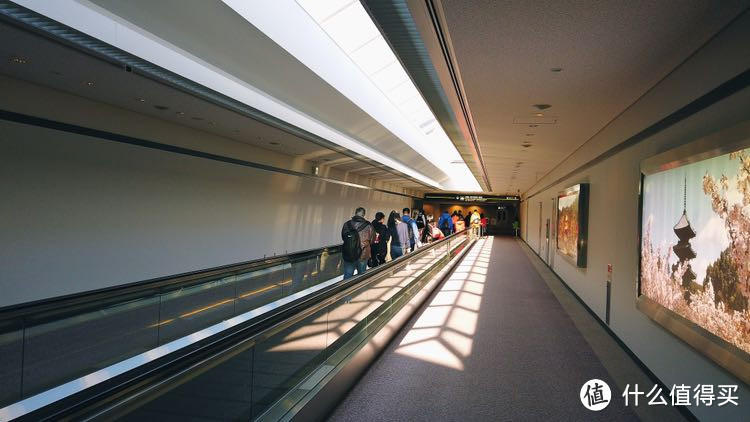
(366,233)
(379,243)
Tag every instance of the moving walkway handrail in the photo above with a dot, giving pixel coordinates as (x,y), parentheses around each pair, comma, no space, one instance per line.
(58,307)
(178,357)
(52,341)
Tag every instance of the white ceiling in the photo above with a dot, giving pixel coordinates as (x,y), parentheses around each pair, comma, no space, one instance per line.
(219,36)
(54,65)
(610,52)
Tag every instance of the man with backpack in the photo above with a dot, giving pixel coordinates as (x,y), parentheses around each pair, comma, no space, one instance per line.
(445,223)
(357,235)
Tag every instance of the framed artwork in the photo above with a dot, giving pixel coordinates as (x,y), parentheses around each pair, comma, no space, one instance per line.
(694,255)
(572,223)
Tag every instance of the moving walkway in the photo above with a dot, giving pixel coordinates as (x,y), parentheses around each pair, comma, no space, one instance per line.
(255,340)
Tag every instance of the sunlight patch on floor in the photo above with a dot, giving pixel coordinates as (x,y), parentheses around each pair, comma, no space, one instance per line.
(443,333)
(346,314)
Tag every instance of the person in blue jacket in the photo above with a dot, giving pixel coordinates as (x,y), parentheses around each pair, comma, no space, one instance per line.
(445,223)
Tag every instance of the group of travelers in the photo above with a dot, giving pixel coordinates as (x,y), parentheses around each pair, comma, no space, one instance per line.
(366,243)
(451,223)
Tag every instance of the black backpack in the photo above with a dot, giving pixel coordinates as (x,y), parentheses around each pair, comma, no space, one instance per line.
(352,247)
(445,225)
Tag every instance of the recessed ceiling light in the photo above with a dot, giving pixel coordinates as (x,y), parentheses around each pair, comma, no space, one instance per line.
(538,114)
(556,69)
(180,113)
(89,83)
(140,99)
(18,60)
(161,107)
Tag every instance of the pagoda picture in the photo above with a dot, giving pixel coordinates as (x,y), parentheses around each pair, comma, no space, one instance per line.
(684,251)
(695,240)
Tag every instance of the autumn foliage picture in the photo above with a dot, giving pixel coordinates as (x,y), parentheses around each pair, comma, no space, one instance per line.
(567,224)
(695,251)
(571,223)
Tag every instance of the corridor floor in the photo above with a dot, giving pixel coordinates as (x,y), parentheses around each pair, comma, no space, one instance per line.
(492,344)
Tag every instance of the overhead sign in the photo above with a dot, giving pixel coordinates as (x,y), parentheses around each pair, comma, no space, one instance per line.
(468,198)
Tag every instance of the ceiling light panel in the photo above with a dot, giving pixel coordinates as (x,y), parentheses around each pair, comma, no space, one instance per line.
(353,31)
(99,23)
(341,44)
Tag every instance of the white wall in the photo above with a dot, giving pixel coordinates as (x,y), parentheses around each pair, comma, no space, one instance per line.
(41,101)
(613,239)
(80,213)
(613,208)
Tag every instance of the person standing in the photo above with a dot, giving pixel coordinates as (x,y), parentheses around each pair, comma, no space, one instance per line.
(435,232)
(413,231)
(416,219)
(399,235)
(475,222)
(421,219)
(460,225)
(380,240)
(425,234)
(357,235)
(431,233)
(483,222)
(445,223)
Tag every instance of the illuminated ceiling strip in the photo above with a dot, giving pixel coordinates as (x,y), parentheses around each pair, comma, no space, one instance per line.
(339,42)
(101,24)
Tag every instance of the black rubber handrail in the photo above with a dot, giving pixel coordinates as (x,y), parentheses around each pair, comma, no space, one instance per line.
(101,396)
(14,316)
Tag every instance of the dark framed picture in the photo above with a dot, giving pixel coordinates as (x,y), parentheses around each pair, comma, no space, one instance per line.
(694,255)
(572,223)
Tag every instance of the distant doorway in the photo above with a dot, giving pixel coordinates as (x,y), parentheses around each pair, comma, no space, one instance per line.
(546,242)
(502,215)
(505,214)
(541,245)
